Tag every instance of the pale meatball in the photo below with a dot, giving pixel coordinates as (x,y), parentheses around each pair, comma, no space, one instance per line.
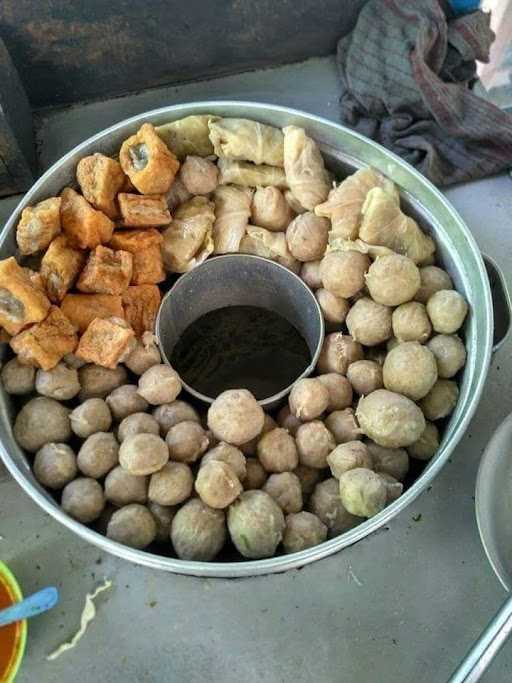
(392,461)
(277,451)
(306,236)
(18,379)
(199,175)
(137,423)
(169,414)
(447,309)
(270,209)
(83,499)
(231,455)
(286,490)
(163,516)
(314,443)
(287,421)
(308,477)
(198,532)
(55,465)
(42,420)
(432,280)
(326,504)
(235,416)
(349,456)
(160,384)
(368,322)
(91,416)
(338,352)
(365,376)
(427,445)
(133,525)
(343,426)
(143,357)
(187,441)
(255,474)
(308,399)
(125,401)
(441,400)
(98,454)
(450,354)
(123,488)
(60,383)
(393,280)
(217,484)
(98,382)
(303,530)
(143,454)
(256,524)
(334,308)
(343,272)
(411,322)
(339,388)
(310,273)
(172,484)
(390,419)
(410,369)
(362,492)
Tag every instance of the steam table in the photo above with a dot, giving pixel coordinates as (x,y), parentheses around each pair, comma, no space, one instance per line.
(402,605)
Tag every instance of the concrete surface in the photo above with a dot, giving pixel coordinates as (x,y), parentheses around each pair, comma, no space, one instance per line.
(402,605)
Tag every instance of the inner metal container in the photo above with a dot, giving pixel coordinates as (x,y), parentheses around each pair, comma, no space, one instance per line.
(344,151)
(240,280)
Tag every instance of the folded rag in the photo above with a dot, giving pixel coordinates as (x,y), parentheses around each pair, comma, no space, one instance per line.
(406,72)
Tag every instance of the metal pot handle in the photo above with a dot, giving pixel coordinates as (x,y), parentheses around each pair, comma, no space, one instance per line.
(501,303)
(486,647)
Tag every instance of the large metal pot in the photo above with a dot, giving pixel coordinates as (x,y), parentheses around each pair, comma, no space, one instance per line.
(345,151)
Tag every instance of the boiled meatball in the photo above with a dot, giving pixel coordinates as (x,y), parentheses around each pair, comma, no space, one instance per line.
(125,401)
(339,388)
(199,175)
(447,309)
(18,379)
(314,443)
(123,488)
(310,273)
(326,504)
(411,322)
(338,352)
(347,456)
(393,280)
(169,414)
(303,530)
(256,524)
(410,369)
(343,425)
(362,492)
(55,465)
(187,441)
(97,381)
(432,279)
(392,461)
(334,308)
(60,383)
(441,400)
(159,384)
(143,454)
(198,532)
(390,419)
(450,354)
(217,484)
(137,423)
(98,454)
(133,525)
(365,376)
(235,416)
(231,455)
(343,272)
(308,399)
(83,499)
(286,490)
(91,416)
(369,323)
(172,484)
(277,451)
(306,236)
(427,445)
(42,420)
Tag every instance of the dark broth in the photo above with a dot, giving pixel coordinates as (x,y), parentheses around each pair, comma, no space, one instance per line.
(240,347)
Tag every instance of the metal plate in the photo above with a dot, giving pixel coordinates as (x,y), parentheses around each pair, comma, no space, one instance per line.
(345,151)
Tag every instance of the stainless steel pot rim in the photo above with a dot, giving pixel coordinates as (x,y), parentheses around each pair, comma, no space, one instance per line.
(265,402)
(280,563)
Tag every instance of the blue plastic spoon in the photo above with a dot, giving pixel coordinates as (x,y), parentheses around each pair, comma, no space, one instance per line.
(35,604)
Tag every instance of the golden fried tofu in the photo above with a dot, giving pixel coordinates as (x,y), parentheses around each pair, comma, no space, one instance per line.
(46,343)
(100,179)
(143,210)
(148,162)
(141,304)
(106,342)
(81,309)
(60,267)
(144,245)
(38,226)
(35,278)
(106,272)
(86,227)
(21,301)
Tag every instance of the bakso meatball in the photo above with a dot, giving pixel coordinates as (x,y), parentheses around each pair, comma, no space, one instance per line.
(343,272)
(255,476)
(60,383)
(187,441)
(310,273)
(303,530)
(277,451)
(362,492)
(172,484)
(441,400)
(132,525)
(390,419)
(169,414)
(159,384)
(256,524)
(143,357)
(369,323)
(450,354)
(393,280)
(97,381)
(83,499)
(326,504)
(339,388)
(347,456)
(287,421)
(236,417)
(392,461)
(198,532)
(217,484)
(143,454)
(55,465)
(410,369)
(365,376)
(334,308)
(231,455)
(98,454)
(123,488)
(286,490)
(427,445)
(199,175)
(447,310)
(91,416)
(270,209)
(343,425)
(125,401)
(137,423)
(411,322)
(163,516)
(306,236)
(308,399)
(314,443)
(338,352)
(432,279)
(18,379)
(42,420)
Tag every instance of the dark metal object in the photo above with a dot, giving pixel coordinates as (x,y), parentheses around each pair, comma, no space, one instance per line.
(71,51)
(17,155)
(240,280)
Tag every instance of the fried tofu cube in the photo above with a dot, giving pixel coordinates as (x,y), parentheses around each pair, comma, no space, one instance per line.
(141,304)
(106,272)
(46,343)
(148,162)
(100,179)
(60,267)
(21,301)
(38,226)
(106,342)
(145,247)
(86,227)
(143,210)
(81,309)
